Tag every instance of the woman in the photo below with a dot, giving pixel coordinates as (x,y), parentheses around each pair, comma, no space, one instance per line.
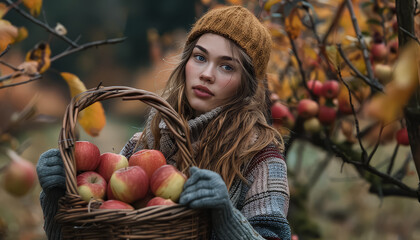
(218,87)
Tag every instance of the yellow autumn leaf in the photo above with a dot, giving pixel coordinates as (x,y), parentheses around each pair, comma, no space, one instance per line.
(40,53)
(3,9)
(92,118)
(333,56)
(22,34)
(8,34)
(405,81)
(34,6)
(293,25)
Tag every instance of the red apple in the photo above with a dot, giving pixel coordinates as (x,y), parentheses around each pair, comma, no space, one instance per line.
(379,50)
(402,137)
(160,201)
(327,115)
(312,125)
(148,159)
(87,156)
(167,182)
(129,184)
(281,115)
(307,108)
(91,185)
(115,204)
(315,86)
(109,163)
(19,176)
(330,89)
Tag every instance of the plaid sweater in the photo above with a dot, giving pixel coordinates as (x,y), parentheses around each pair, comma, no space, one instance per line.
(260,206)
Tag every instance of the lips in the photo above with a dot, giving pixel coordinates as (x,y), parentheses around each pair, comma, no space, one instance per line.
(202,89)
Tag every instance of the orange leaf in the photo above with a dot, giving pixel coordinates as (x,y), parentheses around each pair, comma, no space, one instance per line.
(293,24)
(3,9)
(92,118)
(41,54)
(8,34)
(34,6)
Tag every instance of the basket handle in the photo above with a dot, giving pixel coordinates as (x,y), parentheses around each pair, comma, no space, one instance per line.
(67,138)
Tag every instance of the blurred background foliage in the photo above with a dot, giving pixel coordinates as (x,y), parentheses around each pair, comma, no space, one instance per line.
(338,205)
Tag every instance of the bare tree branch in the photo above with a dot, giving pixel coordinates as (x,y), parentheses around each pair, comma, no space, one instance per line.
(365,52)
(86,46)
(20,83)
(376,86)
(41,24)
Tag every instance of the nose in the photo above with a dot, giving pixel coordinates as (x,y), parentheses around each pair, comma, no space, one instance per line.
(208,74)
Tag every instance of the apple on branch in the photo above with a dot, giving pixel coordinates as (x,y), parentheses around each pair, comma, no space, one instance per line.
(91,185)
(19,176)
(129,184)
(327,115)
(167,182)
(109,163)
(315,86)
(330,89)
(148,159)
(281,115)
(87,156)
(308,108)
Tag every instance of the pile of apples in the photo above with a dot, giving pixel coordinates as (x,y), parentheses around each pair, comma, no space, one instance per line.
(143,180)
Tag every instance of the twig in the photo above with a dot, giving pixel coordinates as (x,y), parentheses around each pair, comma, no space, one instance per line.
(334,22)
(384,32)
(356,121)
(376,85)
(391,191)
(385,177)
(362,42)
(41,24)
(10,66)
(20,83)
(302,73)
(410,35)
(376,145)
(86,46)
(6,77)
(392,160)
(5,50)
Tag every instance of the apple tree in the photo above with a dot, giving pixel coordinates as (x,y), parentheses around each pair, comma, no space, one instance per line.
(36,63)
(346,80)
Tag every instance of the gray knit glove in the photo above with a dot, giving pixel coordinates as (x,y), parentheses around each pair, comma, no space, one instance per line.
(206,189)
(50,170)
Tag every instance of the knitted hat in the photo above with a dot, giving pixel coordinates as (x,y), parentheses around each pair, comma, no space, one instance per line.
(243,28)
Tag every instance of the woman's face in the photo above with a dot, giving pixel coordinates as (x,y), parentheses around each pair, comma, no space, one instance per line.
(213,74)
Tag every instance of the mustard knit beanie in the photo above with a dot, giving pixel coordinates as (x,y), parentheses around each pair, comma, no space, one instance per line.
(243,28)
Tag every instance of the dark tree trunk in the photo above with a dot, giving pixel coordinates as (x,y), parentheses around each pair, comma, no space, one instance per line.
(405,16)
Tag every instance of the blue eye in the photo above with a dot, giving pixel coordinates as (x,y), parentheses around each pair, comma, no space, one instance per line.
(199,58)
(227,67)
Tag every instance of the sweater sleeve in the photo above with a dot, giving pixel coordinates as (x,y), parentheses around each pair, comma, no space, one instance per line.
(267,199)
(49,205)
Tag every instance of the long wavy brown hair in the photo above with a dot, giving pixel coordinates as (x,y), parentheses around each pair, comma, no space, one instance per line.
(237,134)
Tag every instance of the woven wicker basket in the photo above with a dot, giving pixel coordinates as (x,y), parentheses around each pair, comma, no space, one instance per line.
(81,220)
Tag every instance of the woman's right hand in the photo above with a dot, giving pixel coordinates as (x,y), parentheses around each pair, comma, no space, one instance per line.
(50,170)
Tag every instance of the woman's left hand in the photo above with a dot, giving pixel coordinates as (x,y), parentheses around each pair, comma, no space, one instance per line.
(205,189)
